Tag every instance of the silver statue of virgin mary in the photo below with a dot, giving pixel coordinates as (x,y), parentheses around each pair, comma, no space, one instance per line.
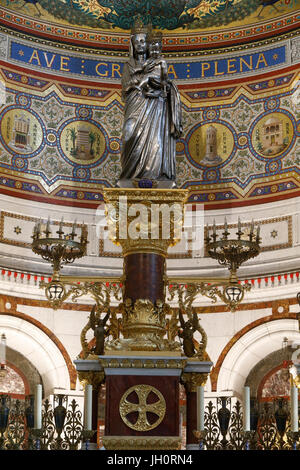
(152,117)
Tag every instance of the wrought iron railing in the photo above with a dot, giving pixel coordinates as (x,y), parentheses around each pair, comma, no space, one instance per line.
(270,427)
(62,426)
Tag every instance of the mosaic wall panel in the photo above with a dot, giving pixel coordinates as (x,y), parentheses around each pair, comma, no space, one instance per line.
(61,142)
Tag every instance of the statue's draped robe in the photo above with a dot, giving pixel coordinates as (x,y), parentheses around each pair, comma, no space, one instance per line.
(150,126)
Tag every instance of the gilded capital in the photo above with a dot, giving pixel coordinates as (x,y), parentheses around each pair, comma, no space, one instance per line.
(192,380)
(145,220)
(94,378)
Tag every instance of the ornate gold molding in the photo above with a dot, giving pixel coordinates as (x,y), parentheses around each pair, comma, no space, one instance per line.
(150,363)
(141,443)
(192,380)
(94,378)
(120,201)
(143,327)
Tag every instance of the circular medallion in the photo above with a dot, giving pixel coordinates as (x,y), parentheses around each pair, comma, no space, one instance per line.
(51,138)
(243,140)
(20,163)
(211,144)
(179,146)
(114,146)
(21,131)
(273,166)
(211,175)
(84,113)
(142,407)
(272,135)
(82,142)
(271,104)
(210,114)
(22,100)
(81,173)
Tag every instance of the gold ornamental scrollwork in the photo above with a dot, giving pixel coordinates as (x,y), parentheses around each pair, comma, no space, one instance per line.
(94,378)
(143,326)
(143,407)
(141,442)
(192,380)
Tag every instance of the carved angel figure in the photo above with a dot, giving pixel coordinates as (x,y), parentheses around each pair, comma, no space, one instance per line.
(100,332)
(188,329)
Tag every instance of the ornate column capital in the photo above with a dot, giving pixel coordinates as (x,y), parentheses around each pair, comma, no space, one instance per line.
(158,209)
(91,377)
(192,380)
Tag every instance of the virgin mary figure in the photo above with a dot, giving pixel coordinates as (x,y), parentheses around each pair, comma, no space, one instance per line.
(152,118)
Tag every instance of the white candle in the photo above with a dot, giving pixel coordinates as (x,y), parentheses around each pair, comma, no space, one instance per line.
(214,228)
(294,409)
(200,408)
(38,407)
(246,408)
(3,350)
(88,405)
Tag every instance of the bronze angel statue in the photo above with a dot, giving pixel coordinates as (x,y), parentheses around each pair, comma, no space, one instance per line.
(100,332)
(188,329)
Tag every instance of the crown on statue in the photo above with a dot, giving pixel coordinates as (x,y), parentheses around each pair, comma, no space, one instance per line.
(154,35)
(138,26)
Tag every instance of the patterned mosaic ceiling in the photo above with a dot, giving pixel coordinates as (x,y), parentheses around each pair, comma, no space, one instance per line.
(186,23)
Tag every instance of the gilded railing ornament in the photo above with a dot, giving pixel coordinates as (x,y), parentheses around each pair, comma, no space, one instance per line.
(158,407)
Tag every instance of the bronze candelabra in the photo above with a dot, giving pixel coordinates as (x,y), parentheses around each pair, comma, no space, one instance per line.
(232,253)
(58,250)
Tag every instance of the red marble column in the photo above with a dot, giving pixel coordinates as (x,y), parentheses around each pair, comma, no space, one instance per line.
(144,276)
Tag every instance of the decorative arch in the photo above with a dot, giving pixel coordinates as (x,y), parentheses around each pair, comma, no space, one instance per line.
(42,348)
(249,346)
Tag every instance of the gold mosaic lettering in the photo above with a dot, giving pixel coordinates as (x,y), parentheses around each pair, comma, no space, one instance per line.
(35,56)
